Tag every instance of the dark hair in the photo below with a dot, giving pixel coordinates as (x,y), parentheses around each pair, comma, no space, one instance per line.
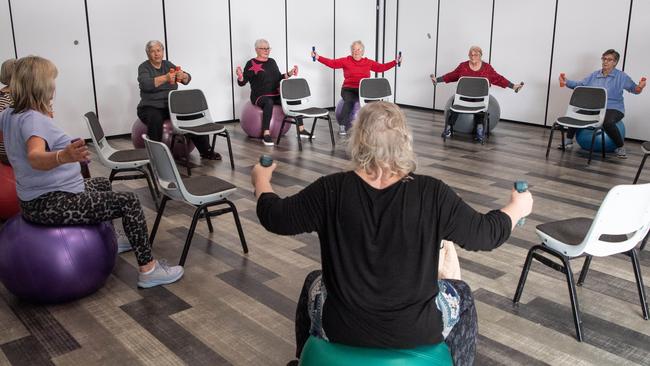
(612,52)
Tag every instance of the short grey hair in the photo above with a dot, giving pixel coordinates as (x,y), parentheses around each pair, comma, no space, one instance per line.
(477,49)
(152,43)
(261,41)
(363,48)
(7,70)
(381,140)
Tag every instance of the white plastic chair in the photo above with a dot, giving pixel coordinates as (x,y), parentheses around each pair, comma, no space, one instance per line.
(622,221)
(373,90)
(120,161)
(586,109)
(295,97)
(201,192)
(472,97)
(189,113)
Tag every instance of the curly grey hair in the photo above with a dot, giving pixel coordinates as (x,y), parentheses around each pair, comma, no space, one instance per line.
(152,43)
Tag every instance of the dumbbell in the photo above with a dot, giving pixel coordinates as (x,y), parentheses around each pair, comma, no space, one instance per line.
(521,186)
(266,161)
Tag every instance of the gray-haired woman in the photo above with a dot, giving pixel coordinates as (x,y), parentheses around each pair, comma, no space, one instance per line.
(6,70)
(355,67)
(379,227)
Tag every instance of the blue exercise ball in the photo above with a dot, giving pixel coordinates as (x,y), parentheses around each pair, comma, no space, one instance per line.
(583,137)
(465,121)
(54,264)
(338,112)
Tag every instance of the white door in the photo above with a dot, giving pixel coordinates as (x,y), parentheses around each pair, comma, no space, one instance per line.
(57,30)
(6,35)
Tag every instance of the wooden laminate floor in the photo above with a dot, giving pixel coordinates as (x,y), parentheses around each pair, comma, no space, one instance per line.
(236,309)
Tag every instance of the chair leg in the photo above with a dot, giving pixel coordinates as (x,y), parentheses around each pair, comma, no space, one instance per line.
(232,160)
(585,269)
(638,172)
(161,209)
(639,282)
(602,143)
(186,144)
(299,121)
(153,179)
(151,185)
(240,231)
(329,122)
(591,149)
(644,242)
(208,220)
(281,129)
(550,140)
(524,275)
(190,234)
(111,176)
(574,298)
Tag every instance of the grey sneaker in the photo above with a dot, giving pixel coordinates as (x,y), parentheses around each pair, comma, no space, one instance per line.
(568,143)
(304,134)
(620,153)
(342,130)
(123,243)
(162,274)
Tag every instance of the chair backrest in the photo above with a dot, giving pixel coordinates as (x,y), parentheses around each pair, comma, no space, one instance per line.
(294,94)
(164,169)
(472,92)
(374,89)
(625,212)
(188,108)
(588,104)
(104,149)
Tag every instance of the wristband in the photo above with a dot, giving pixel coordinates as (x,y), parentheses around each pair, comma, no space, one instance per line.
(57,157)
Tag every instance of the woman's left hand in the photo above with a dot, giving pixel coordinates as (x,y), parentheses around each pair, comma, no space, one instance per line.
(294,71)
(399,59)
(180,76)
(518,87)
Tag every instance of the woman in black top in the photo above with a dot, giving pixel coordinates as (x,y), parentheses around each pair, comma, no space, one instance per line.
(264,76)
(379,227)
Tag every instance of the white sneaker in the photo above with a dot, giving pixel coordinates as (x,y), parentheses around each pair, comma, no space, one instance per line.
(620,153)
(162,274)
(342,131)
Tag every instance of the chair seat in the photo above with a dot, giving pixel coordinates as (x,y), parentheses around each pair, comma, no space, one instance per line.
(573,231)
(206,185)
(205,129)
(645,147)
(466,109)
(309,112)
(131,155)
(572,122)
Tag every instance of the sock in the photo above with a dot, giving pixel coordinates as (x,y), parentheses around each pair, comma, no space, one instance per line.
(151,270)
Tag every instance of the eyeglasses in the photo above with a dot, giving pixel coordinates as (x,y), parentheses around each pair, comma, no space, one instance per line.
(608,59)
(264,48)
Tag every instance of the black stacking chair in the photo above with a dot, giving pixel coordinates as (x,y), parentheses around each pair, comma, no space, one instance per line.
(472,97)
(621,222)
(134,162)
(586,110)
(201,192)
(645,147)
(189,113)
(296,104)
(374,89)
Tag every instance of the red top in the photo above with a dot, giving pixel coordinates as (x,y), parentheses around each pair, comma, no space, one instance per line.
(354,71)
(486,71)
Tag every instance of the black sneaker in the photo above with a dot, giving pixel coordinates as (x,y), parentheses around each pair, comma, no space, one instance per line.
(268,140)
(446,133)
(306,135)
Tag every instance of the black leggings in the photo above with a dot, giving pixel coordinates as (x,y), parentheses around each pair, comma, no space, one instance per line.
(452,117)
(612,116)
(154,119)
(461,340)
(266,102)
(98,203)
(350,96)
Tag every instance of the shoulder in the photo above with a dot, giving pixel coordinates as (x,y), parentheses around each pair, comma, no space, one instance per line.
(145,65)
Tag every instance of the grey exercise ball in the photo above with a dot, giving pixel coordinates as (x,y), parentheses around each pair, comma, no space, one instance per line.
(465,122)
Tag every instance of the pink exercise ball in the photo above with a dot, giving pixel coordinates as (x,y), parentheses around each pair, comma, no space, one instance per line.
(251,120)
(139,128)
(9,205)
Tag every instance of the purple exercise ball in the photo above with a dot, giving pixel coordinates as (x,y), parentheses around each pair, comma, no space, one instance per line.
(54,264)
(250,120)
(139,128)
(353,113)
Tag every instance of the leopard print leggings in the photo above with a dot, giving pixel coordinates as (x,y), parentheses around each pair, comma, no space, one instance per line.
(96,204)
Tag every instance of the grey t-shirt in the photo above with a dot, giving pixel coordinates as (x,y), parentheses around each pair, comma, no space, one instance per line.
(150,95)
(30,182)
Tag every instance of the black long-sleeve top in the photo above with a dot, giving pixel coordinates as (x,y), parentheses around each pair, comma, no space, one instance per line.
(379,251)
(150,94)
(264,76)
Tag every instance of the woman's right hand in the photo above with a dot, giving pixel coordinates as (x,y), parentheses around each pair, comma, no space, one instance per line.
(433,79)
(521,202)
(562,79)
(76,151)
(314,54)
(240,73)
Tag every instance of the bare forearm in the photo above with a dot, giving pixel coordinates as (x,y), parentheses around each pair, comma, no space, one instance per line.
(47,160)
(262,186)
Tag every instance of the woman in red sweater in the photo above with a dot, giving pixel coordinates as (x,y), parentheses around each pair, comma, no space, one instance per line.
(474,67)
(355,67)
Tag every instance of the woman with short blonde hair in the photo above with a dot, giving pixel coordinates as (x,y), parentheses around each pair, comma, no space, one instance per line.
(6,71)
(379,227)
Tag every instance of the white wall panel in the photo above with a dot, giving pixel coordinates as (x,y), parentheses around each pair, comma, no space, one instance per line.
(387,39)
(248,26)
(354,20)
(637,107)
(584,29)
(417,41)
(305,31)
(198,41)
(6,35)
(63,39)
(523,55)
(119,31)
(462,24)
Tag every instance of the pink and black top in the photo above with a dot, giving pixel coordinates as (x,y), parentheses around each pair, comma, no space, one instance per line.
(264,77)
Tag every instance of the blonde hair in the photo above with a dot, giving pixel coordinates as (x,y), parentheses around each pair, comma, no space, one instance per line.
(32,85)
(381,140)
(477,49)
(7,70)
